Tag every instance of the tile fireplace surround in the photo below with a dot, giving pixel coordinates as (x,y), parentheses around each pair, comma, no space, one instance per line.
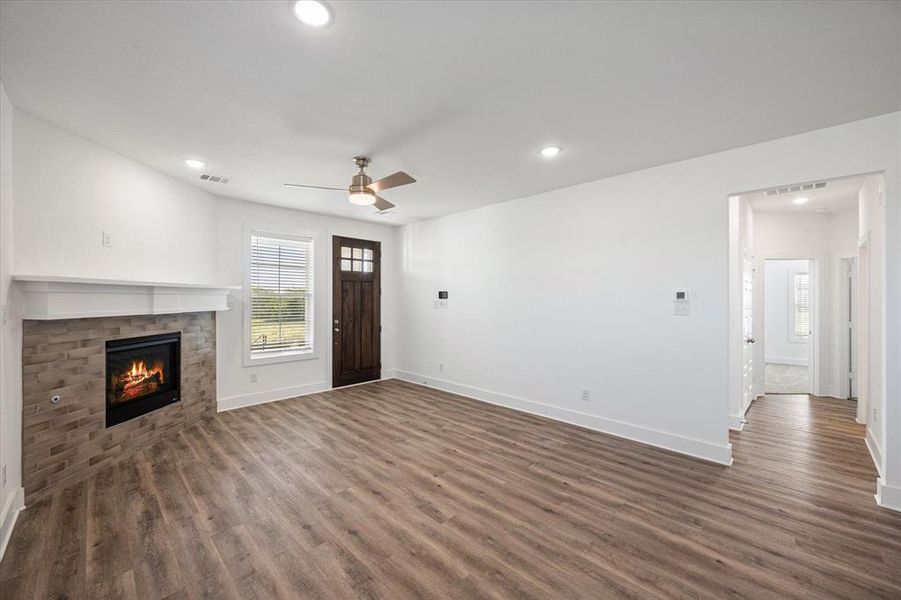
(65,442)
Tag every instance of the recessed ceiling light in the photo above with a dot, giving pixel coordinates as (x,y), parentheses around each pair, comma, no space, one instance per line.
(195,163)
(801,200)
(550,151)
(312,13)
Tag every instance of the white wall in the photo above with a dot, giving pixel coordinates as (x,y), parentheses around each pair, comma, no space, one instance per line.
(286,380)
(571,289)
(69,190)
(11,493)
(778,343)
(872,228)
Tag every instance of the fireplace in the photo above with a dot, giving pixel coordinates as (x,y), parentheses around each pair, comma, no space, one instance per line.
(142,375)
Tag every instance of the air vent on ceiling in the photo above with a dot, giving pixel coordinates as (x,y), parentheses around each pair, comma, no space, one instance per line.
(214,178)
(791,189)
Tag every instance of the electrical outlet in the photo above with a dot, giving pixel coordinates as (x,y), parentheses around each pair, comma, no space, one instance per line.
(254,378)
(106,240)
(875,414)
(3,475)
(586,395)
(441,367)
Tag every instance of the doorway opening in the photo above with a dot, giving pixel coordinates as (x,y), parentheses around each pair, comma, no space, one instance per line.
(797,253)
(806,276)
(848,326)
(789,314)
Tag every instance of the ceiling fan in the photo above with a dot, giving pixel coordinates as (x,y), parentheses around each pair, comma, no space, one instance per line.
(363,190)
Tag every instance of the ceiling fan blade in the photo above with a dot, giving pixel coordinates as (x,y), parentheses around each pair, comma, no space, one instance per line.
(315,187)
(393,180)
(381,204)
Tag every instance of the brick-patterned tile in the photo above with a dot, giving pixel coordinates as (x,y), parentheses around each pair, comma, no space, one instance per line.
(65,443)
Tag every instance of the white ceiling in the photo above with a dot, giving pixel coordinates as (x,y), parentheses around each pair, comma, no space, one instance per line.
(839,194)
(459,94)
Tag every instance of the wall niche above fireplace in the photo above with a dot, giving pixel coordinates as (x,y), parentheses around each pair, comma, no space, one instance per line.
(142,375)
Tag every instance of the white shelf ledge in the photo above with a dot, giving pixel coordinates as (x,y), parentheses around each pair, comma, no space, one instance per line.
(51,297)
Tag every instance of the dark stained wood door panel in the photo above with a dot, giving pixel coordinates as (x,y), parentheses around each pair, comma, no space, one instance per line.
(356,311)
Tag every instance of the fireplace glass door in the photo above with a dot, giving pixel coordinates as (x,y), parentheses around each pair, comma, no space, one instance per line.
(142,374)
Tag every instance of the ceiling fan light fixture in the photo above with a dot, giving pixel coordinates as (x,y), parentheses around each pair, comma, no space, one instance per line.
(550,151)
(362,198)
(312,13)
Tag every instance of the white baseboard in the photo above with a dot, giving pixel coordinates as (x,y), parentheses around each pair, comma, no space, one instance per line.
(888,496)
(233,402)
(14,505)
(875,450)
(736,423)
(827,391)
(786,360)
(661,439)
(240,401)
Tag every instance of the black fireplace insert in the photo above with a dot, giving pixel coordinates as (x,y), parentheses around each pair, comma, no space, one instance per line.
(142,375)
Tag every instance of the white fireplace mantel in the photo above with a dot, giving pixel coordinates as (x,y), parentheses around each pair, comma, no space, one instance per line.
(48,297)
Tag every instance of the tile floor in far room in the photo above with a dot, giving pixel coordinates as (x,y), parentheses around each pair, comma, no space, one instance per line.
(786,379)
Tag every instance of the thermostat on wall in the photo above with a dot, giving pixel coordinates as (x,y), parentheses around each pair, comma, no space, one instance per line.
(681,301)
(441,302)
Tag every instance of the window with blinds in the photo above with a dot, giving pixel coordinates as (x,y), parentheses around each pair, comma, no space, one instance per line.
(800,295)
(281,295)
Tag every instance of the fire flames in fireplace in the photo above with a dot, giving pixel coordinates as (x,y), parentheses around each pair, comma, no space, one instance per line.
(138,381)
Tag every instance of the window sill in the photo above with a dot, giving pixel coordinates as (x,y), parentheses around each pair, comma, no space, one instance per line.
(279,357)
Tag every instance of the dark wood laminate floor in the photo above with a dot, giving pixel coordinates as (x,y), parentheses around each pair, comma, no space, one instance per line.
(391,490)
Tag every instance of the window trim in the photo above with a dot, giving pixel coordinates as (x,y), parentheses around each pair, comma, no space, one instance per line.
(792,336)
(285,355)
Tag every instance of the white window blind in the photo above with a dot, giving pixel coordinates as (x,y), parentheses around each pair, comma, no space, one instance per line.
(800,305)
(281,295)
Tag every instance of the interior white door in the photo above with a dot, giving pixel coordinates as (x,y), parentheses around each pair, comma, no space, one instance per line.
(748,331)
(852,328)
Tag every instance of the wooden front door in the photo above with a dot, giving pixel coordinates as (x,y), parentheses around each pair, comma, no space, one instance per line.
(356,311)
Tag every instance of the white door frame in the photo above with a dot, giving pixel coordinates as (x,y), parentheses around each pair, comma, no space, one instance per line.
(817,294)
(863,330)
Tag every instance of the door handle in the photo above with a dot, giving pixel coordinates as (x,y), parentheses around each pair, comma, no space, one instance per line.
(751,340)
(337,330)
